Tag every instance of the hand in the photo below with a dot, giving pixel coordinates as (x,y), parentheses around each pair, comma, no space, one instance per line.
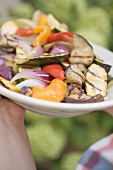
(15,151)
(10,109)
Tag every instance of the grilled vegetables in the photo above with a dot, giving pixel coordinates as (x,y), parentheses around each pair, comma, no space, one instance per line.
(75,94)
(8,85)
(82,51)
(60,66)
(75,73)
(96,80)
(42,60)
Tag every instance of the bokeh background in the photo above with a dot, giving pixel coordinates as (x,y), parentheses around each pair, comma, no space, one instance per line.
(58,143)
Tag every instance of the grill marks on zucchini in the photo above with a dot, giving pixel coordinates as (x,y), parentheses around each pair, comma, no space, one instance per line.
(96,80)
(42,60)
(87,82)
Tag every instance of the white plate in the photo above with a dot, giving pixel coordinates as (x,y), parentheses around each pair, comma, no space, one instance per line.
(64,109)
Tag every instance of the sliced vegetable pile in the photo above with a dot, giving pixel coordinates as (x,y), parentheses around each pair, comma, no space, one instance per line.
(42,59)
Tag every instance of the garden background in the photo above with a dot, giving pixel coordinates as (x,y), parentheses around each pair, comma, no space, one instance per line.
(58,143)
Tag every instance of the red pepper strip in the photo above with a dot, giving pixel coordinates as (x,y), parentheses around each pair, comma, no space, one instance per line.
(54,70)
(58,36)
(24,32)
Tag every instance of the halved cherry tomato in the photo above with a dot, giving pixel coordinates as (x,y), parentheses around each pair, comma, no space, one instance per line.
(58,36)
(54,70)
(24,31)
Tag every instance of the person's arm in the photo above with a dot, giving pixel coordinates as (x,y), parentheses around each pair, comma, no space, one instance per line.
(15,151)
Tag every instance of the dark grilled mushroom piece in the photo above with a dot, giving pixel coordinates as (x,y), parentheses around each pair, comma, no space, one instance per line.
(75,73)
(82,51)
(96,80)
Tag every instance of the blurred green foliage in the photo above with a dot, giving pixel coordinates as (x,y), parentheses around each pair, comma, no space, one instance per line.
(47,141)
(92,19)
(69,161)
(23,10)
(57,143)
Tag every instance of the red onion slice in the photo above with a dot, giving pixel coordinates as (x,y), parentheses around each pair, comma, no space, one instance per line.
(2,61)
(36,52)
(59,49)
(32,83)
(32,74)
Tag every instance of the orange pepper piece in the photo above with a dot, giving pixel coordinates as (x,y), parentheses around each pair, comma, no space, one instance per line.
(54,92)
(44,32)
(35,88)
(43,20)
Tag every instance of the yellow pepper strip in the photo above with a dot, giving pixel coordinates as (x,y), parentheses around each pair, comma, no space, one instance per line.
(44,32)
(43,20)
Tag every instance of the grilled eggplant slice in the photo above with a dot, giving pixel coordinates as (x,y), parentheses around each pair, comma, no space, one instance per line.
(42,60)
(93,99)
(75,91)
(75,94)
(75,73)
(96,80)
(82,51)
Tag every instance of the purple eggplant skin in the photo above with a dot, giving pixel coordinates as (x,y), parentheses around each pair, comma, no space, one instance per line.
(94,99)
